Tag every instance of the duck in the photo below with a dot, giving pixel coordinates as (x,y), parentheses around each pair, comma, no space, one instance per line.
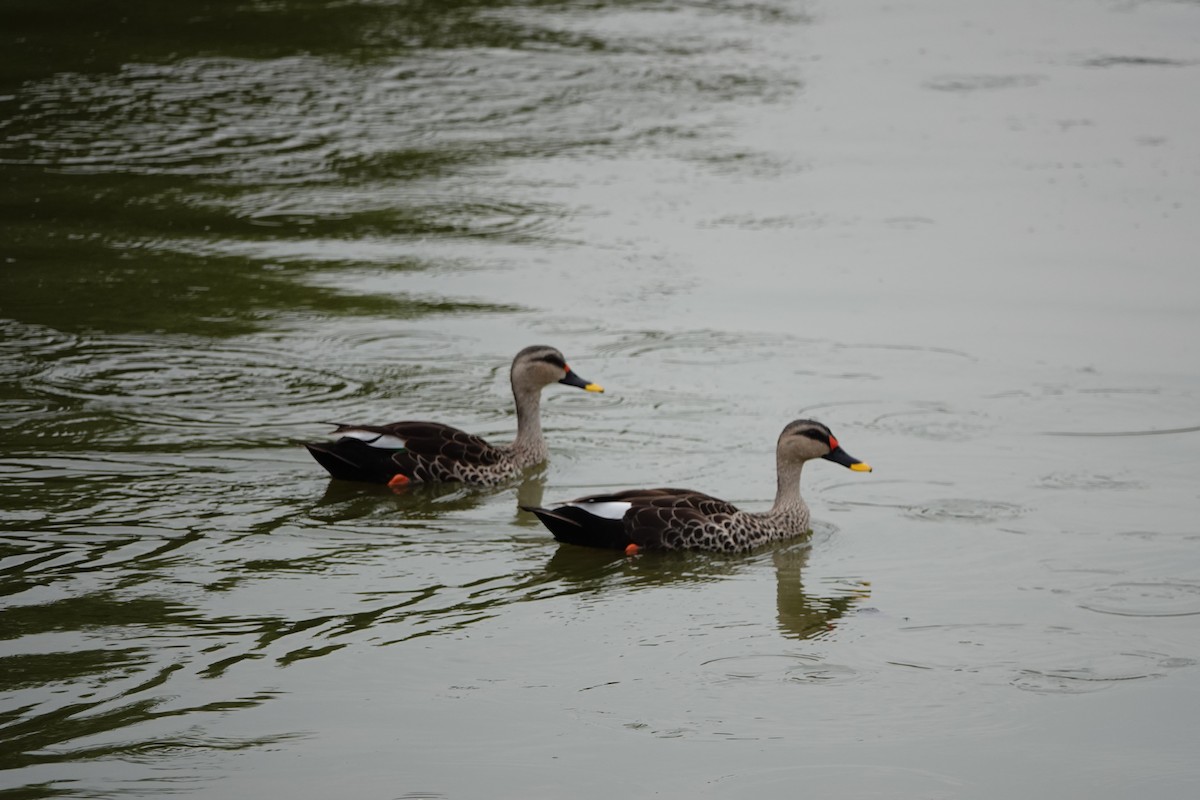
(410,452)
(685,519)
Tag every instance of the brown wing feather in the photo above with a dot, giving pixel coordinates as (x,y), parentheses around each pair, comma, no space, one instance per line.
(667,518)
(434,441)
(675,498)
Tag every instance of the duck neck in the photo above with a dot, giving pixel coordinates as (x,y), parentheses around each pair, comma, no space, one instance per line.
(529,444)
(787,490)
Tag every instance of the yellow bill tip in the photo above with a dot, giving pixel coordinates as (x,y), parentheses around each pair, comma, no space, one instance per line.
(594,387)
(861,466)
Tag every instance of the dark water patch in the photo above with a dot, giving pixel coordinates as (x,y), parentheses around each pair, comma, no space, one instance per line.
(23,352)
(411,163)
(751,222)
(758,12)
(61,36)
(234,119)
(28,670)
(1105,62)
(152,289)
(750,163)
(52,734)
(74,554)
(53,215)
(405,215)
(183,263)
(977,83)
(41,791)
(88,612)
(24,346)
(38,495)
(85,527)
(289,120)
(479,218)
(389,212)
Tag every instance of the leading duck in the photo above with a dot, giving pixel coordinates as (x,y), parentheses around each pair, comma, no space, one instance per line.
(683,519)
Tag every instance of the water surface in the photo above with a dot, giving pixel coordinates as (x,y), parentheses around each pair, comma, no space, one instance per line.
(960,234)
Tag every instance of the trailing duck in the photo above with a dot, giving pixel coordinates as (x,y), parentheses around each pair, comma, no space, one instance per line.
(426,452)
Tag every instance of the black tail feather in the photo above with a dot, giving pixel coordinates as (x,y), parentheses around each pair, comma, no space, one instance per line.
(576,526)
(353,460)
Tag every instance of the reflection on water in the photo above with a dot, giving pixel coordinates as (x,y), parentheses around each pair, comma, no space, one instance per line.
(804,614)
(801,613)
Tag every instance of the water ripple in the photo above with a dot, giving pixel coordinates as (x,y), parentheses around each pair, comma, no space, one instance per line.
(702,347)
(1145,599)
(779,668)
(156,382)
(960,509)
(305,119)
(1087,481)
(1098,674)
(936,422)
(1098,411)
(386,210)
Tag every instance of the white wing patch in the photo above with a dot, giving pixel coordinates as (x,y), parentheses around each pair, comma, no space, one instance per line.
(384,441)
(613,509)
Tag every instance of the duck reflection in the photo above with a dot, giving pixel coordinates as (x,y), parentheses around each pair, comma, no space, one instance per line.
(801,613)
(345,501)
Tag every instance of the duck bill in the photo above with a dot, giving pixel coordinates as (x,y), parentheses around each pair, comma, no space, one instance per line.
(571,379)
(840,456)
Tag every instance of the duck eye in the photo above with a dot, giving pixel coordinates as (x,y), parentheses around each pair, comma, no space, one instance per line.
(555,360)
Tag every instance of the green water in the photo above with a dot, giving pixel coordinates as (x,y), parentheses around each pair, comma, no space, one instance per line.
(962,235)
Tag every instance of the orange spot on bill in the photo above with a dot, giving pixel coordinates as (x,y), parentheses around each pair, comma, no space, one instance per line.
(632,549)
(833,443)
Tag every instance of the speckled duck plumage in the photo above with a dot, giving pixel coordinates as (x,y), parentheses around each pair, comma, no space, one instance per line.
(430,452)
(683,519)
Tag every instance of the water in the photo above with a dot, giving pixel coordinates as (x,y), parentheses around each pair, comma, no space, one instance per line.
(961,234)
